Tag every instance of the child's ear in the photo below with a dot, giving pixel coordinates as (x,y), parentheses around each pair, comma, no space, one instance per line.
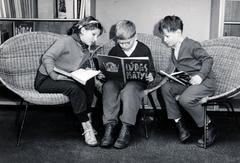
(83,30)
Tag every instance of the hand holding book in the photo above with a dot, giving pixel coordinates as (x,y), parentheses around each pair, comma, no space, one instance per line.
(195,80)
(149,77)
(80,75)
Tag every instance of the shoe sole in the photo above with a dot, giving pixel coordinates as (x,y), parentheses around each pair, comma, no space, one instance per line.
(118,146)
(106,146)
(185,139)
(92,145)
(207,145)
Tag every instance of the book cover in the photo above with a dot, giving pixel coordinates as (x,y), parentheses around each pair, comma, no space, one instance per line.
(182,76)
(124,69)
(80,75)
(175,76)
(61,9)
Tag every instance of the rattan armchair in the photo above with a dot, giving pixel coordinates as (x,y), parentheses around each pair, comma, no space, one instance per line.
(226,55)
(19,60)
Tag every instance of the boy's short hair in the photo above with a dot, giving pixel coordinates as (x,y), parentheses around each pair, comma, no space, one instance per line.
(125,29)
(171,24)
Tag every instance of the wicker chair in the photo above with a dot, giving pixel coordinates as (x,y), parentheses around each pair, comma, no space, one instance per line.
(19,60)
(160,53)
(226,55)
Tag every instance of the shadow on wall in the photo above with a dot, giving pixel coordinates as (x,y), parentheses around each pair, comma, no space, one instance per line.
(112,32)
(156,30)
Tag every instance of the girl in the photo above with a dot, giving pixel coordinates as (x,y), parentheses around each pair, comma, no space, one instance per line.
(69,54)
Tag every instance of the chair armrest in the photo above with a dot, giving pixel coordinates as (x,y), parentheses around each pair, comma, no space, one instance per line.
(226,95)
(154,88)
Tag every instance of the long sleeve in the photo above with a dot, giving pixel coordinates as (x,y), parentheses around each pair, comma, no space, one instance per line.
(51,55)
(207,61)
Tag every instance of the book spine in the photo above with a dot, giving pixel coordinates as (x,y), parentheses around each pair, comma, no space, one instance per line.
(123,71)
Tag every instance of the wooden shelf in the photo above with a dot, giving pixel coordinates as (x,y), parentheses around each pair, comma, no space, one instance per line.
(37,19)
(232,23)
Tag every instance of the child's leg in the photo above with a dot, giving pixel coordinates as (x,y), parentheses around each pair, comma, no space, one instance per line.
(111,108)
(79,100)
(111,101)
(131,97)
(189,99)
(169,91)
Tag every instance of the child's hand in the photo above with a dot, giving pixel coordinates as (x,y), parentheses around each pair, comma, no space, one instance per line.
(62,77)
(150,78)
(100,76)
(195,80)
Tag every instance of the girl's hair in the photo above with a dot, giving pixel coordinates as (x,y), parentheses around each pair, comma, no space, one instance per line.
(125,29)
(171,24)
(89,23)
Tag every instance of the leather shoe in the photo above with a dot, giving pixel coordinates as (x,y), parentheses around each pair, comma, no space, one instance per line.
(211,136)
(124,137)
(183,132)
(108,138)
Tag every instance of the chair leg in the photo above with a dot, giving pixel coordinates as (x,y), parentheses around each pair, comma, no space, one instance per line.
(205,127)
(154,107)
(144,120)
(233,113)
(20,129)
(18,113)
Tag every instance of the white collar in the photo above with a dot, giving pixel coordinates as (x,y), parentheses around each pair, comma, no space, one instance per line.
(129,52)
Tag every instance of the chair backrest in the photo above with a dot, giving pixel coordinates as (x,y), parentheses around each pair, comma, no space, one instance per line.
(20,55)
(226,55)
(160,52)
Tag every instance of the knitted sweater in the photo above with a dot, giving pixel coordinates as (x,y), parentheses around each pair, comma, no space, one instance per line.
(67,53)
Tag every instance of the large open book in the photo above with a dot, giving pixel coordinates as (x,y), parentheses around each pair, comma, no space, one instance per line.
(180,77)
(127,68)
(80,75)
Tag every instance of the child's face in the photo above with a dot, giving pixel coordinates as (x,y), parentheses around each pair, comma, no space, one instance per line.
(127,44)
(89,37)
(171,38)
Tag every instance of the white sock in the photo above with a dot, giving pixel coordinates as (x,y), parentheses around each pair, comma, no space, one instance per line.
(176,120)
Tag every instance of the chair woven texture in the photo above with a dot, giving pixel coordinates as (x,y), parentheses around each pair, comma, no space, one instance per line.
(19,59)
(226,56)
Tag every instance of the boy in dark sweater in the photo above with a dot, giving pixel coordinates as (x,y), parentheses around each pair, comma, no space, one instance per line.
(130,93)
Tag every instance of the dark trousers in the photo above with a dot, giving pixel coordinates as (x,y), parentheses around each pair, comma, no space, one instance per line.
(189,99)
(80,96)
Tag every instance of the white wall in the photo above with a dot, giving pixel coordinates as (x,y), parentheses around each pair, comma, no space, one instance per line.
(146,14)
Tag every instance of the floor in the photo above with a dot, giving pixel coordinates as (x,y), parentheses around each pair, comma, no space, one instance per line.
(52,135)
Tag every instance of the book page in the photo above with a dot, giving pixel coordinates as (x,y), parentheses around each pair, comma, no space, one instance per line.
(65,73)
(171,77)
(83,75)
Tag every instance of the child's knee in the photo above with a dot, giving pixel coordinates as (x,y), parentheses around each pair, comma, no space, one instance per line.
(165,89)
(109,85)
(186,101)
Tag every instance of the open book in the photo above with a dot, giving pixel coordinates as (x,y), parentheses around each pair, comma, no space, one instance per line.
(180,77)
(124,68)
(80,75)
